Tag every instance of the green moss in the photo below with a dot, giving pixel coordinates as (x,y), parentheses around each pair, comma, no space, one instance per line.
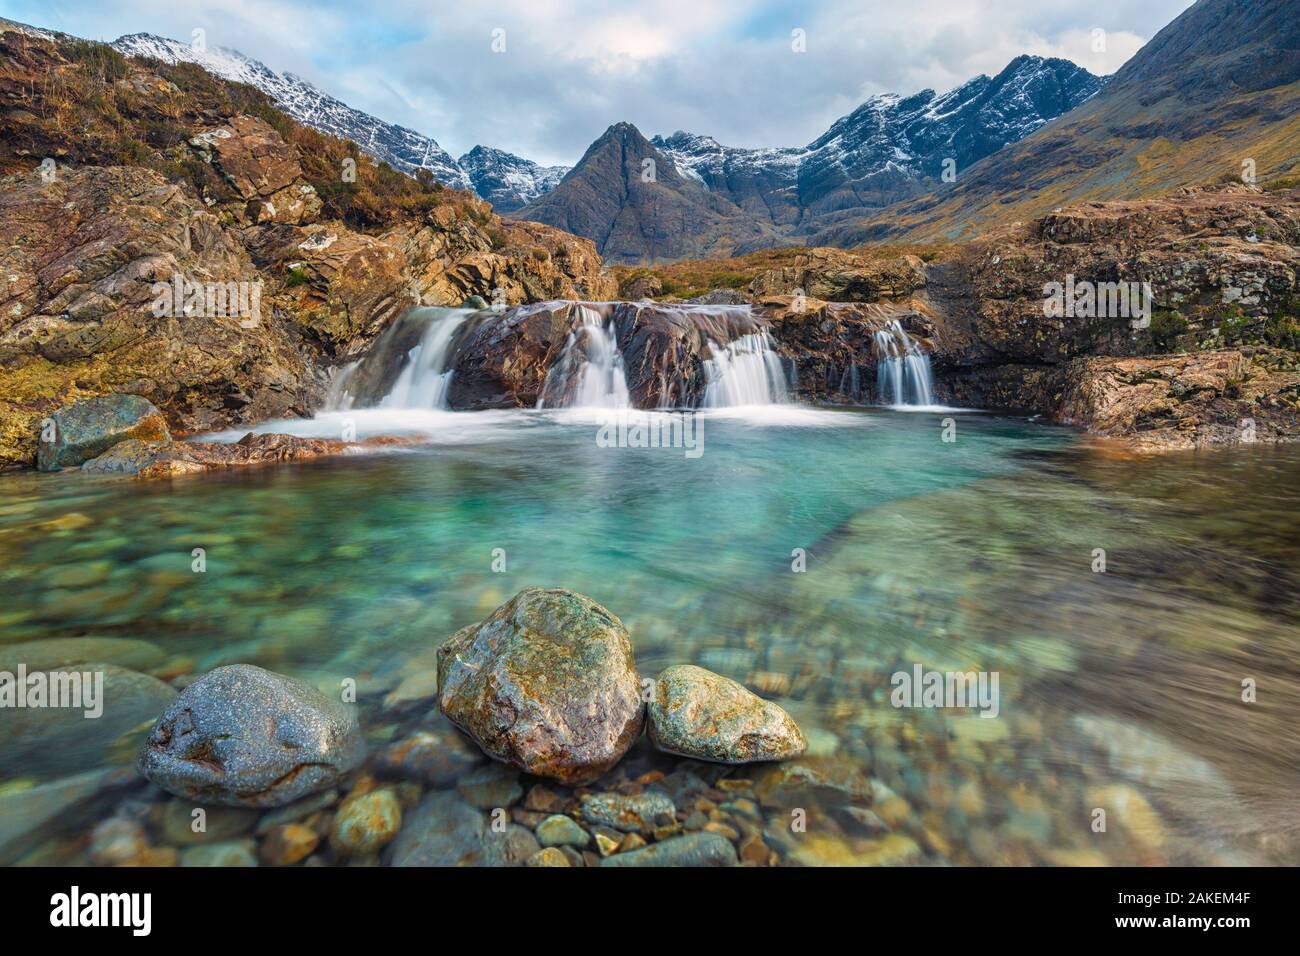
(1167,327)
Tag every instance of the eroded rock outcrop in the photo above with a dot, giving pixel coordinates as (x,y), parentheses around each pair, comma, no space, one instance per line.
(834,275)
(1212,361)
(243,201)
(1185,401)
(82,256)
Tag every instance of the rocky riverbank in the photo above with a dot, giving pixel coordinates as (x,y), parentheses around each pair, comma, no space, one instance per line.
(229,194)
(268,770)
(126,174)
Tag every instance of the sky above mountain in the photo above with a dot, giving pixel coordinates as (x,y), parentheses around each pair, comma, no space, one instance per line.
(543,78)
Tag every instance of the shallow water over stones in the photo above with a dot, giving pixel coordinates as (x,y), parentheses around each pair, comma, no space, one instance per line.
(1118,689)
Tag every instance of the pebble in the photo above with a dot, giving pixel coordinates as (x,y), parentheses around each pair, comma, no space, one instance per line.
(231,853)
(365,823)
(288,844)
(219,823)
(116,841)
(560,830)
(548,856)
(491,786)
(642,813)
(693,850)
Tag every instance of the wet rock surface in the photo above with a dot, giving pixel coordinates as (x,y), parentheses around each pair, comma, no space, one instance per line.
(697,713)
(692,850)
(547,682)
(241,735)
(89,428)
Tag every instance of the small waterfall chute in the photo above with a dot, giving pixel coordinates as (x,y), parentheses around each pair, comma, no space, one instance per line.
(745,371)
(408,366)
(902,368)
(426,376)
(589,372)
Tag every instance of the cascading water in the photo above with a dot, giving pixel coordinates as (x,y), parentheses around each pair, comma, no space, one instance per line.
(902,369)
(425,378)
(589,373)
(745,371)
(409,366)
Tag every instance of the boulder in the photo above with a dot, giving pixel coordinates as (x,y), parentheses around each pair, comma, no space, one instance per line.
(547,683)
(89,428)
(697,713)
(243,736)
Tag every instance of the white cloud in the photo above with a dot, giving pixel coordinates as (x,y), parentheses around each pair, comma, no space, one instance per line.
(573,67)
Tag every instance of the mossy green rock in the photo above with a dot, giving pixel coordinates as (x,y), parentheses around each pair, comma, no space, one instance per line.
(547,683)
(697,713)
(87,429)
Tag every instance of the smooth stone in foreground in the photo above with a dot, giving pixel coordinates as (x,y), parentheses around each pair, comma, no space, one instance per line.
(547,683)
(694,850)
(244,736)
(697,713)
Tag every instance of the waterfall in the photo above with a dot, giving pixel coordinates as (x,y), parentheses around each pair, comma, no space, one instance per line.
(408,366)
(589,373)
(426,376)
(902,369)
(745,371)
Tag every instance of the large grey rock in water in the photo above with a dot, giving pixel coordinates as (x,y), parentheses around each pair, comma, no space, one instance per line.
(697,713)
(547,683)
(243,736)
(89,428)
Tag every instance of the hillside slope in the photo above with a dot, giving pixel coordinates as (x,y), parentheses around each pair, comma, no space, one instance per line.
(1218,86)
(711,199)
(119,174)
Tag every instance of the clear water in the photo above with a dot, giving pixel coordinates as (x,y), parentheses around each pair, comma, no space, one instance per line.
(973,554)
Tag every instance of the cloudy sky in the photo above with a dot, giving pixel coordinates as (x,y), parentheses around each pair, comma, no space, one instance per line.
(570,68)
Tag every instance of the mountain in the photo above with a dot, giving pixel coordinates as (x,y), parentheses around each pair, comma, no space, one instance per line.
(634,202)
(1218,86)
(508,181)
(886,151)
(398,146)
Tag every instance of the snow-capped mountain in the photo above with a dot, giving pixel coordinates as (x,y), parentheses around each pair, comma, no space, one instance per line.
(508,181)
(398,146)
(889,149)
(889,146)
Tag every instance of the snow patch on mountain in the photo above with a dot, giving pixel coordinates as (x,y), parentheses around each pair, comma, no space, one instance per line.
(508,181)
(398,146)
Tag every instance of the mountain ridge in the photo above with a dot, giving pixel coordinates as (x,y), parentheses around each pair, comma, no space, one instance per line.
(890,149)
